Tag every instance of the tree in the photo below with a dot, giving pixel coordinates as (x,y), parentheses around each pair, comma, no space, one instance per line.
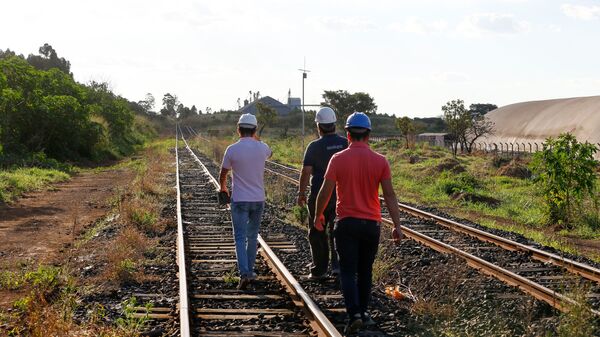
(345,103)
(169,104)
(148,102)
(478,127)
(265,115)
(49,59)
(465,126)
(565,170)
(194,110)
(457,120)
(407,128)
(46,111)
(482,108)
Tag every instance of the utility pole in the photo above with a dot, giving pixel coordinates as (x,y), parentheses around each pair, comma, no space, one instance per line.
(304,71)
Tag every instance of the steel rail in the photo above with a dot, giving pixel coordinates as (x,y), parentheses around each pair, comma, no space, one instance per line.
(536,290)
(584,270)
(283,176)
(310,307)
(572,266)
(184,319)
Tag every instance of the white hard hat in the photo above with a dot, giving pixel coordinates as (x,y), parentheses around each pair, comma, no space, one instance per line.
(325,115)
(248,121)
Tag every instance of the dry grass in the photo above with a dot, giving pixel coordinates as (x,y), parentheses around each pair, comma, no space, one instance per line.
(52,293)
(126,255)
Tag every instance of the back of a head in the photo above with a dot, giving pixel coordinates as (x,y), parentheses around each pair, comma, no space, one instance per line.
(325,119)
(358,125)
(247,125)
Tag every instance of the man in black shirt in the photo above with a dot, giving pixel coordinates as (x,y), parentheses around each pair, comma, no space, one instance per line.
(317,156)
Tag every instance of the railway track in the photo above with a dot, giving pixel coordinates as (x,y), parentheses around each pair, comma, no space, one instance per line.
(543,275)
(210,305)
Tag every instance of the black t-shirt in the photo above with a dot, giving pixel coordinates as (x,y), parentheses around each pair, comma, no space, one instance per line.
(318,153)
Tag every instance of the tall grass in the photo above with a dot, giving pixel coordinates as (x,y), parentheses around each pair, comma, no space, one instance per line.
(15,182)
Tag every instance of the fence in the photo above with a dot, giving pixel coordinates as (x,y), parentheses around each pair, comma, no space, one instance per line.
(513,149)
(501,148)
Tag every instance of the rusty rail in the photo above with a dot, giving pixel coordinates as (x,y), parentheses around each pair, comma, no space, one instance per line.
(319,321)
(536,290)
(184,320)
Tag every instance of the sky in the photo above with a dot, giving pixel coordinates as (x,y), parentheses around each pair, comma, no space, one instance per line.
(412,56)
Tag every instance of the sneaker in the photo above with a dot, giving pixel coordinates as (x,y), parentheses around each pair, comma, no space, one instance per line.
(313,277)
(354,325)
(367,319)
(244,282)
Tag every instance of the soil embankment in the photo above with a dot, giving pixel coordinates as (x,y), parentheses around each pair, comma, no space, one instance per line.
(39,225)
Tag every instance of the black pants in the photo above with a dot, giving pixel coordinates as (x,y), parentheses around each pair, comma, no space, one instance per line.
(321,243)
(356,242)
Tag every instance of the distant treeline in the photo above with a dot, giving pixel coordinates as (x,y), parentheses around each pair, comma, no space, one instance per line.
(43,110)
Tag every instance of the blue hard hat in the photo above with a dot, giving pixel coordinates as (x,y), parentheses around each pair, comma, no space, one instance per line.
(358,120)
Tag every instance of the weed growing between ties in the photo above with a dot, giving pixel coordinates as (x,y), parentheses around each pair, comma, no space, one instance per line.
(230,278)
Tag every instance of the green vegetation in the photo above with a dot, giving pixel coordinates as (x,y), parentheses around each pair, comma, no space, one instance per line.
(48,120)
(578,320)
(129,323)
(17,181)
(43,110)
(479,188)
(566,173)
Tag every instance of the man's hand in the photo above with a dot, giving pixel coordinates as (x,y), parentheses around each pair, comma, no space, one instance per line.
(397,235)
(301,201)
(320,222)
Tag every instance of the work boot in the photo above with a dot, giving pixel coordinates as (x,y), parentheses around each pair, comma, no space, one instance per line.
(354,325)
(244,282)
(367,319)
(314,277)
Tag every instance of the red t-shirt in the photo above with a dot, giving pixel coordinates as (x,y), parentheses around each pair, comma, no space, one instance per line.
(358,172)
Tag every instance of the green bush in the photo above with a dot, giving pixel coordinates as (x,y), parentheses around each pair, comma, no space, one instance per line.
(565,171)
(300,214)
(458,183)
(47,111)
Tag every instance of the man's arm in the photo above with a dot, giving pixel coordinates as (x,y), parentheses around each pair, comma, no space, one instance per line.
(322,200)
(392,205)
(223,179)
(304,178)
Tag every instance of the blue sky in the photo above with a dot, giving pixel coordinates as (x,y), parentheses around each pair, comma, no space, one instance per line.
(411,56)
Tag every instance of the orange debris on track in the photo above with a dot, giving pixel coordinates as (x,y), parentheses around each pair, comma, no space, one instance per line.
(37,227)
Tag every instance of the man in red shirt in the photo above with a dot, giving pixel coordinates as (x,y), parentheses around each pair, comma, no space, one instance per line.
(358,172)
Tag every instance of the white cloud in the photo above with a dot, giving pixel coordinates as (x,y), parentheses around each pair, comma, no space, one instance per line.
(486,23)
(580,12)
(416,25)
(344,24)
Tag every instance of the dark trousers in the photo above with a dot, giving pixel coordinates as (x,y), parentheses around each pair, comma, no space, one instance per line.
(356,242)
(321,242)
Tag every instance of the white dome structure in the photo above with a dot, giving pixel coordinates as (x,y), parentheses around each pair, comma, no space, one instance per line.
(534,121)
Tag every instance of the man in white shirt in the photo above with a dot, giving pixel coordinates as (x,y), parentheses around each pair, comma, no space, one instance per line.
(246,158)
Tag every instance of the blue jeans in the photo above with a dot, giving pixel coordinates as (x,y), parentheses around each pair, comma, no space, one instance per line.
(356,242)
(245,216)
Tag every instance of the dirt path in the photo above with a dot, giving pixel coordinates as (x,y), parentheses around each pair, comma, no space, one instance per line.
(36,228)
